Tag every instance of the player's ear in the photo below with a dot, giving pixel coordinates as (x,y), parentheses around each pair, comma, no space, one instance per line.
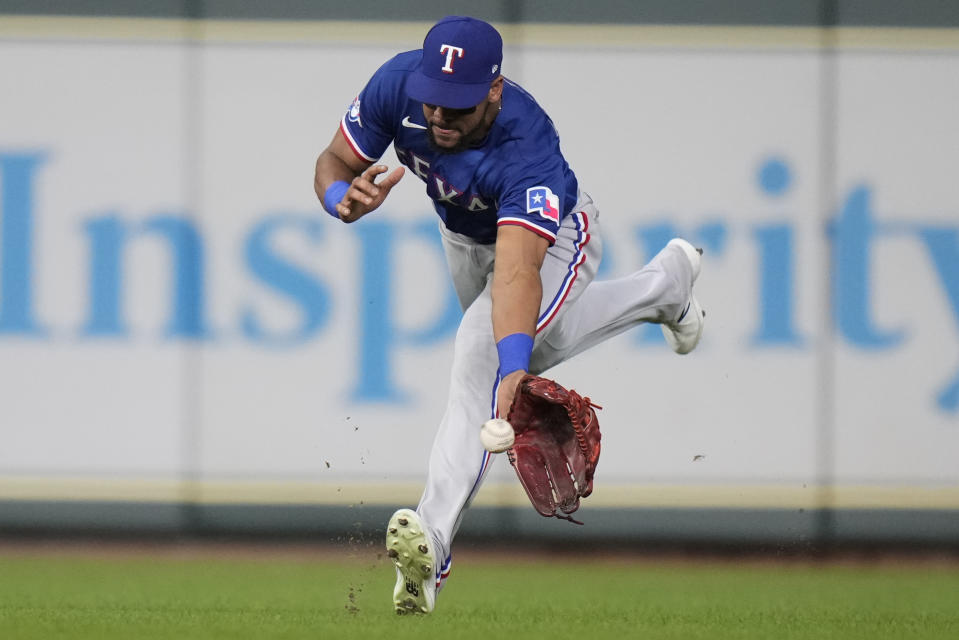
(495,90)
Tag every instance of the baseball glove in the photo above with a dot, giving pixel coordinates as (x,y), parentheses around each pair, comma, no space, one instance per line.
(556,447)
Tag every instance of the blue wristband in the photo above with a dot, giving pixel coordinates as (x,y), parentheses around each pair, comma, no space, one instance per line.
(334,193)
(514,352)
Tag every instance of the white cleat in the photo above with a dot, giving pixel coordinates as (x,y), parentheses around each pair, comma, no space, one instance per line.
(683,335)
(408,546)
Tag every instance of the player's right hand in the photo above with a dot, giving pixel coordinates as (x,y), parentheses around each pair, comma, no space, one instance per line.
(365,194)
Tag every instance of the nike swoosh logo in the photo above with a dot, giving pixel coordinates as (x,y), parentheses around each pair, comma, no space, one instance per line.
(411,125)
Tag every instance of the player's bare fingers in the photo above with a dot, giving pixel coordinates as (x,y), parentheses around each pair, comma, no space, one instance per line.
(366,182)
(390,181)
(372,171)
(362,191)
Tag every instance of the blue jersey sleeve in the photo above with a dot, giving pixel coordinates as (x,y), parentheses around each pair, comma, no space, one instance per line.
(368,124)
(534,201)
(533,189)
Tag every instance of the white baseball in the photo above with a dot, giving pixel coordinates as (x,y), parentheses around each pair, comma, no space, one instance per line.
(497,435)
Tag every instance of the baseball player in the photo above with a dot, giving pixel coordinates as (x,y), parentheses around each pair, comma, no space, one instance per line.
(522,242)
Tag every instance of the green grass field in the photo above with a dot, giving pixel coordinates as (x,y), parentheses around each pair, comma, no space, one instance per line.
(262,593)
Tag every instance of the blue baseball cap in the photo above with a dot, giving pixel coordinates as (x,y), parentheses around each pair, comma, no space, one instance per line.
(461,58)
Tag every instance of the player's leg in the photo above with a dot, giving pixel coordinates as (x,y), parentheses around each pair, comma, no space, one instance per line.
(457,466)
(660,292)
(458,461)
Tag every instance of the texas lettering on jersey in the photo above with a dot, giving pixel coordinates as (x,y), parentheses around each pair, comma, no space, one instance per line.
(437,187)
(516,175)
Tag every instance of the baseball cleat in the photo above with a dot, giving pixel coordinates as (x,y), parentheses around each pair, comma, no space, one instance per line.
(683,335)
(407,545)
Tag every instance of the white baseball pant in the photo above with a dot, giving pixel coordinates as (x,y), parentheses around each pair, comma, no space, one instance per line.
(576,313)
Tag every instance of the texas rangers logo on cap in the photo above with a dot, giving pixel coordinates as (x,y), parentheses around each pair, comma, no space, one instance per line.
(450,52)
(461,57)
(542,201)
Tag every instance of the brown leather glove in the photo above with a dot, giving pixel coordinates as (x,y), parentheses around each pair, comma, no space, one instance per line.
(556,447)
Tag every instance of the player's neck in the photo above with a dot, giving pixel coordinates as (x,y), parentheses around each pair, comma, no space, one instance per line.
(489,117)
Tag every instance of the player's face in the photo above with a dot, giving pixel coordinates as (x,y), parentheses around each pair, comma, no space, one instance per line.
(452,130)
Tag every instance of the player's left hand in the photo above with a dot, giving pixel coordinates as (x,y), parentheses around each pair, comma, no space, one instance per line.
(507,390)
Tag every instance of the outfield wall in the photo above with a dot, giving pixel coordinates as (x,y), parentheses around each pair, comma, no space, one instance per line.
(189,343)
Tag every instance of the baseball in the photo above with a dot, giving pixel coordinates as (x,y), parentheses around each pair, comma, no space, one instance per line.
(497,435)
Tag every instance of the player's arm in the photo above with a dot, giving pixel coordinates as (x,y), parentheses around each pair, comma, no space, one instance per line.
(517,292)
(345,183)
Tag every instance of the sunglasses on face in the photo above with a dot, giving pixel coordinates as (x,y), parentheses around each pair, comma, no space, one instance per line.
(453,113)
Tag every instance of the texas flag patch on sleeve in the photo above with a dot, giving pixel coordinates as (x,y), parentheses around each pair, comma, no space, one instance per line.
(542,201)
